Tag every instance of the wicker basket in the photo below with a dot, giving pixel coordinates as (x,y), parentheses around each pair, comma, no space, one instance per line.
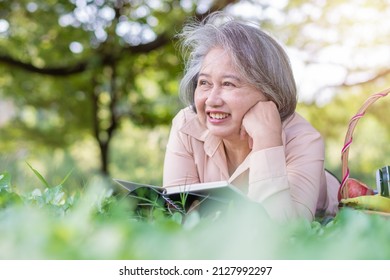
(348,138)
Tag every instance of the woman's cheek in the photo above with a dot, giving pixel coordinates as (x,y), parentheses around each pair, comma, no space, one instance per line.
(199,102)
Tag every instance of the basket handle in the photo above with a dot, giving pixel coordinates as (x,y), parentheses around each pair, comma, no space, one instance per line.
(348,137)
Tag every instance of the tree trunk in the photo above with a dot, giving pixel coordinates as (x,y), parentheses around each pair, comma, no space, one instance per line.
(104,154)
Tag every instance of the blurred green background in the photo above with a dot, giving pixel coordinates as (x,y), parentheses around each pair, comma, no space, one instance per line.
(91,85)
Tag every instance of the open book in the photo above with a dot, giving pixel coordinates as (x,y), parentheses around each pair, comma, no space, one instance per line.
(220,191)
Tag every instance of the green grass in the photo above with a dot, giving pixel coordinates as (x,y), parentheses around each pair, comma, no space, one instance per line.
(96,223)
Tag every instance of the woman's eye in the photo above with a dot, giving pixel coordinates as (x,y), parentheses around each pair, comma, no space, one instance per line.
(202,82)
(227,84)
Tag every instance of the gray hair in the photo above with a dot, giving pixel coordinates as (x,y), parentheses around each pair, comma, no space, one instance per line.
(258,57)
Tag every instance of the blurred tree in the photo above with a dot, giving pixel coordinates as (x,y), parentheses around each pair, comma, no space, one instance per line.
(343,53)
(91,63)
(341,44)
(71,66)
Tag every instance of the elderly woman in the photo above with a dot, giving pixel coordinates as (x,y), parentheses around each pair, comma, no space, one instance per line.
(240,124)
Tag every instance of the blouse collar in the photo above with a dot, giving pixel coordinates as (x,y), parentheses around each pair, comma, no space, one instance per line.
(194,128)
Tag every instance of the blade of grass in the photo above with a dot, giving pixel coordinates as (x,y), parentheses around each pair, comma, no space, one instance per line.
(40,177)
(66,177)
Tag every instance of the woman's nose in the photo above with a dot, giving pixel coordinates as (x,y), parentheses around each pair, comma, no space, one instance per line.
(214,97)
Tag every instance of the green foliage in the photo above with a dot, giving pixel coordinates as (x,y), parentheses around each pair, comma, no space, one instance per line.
(95,224)
(7,196)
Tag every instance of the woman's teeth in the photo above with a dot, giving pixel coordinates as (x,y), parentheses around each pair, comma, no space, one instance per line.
(218,116)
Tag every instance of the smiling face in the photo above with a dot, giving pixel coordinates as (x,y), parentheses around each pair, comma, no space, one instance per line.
(222,96)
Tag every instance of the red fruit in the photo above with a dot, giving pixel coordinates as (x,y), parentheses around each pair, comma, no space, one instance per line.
(355,188)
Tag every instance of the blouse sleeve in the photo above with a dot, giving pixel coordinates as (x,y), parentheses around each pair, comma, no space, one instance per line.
(286,180)
(179,164)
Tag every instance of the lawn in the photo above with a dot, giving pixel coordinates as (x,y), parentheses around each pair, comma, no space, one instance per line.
(98,222)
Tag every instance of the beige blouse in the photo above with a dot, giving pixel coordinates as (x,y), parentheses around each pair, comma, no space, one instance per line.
(289,181)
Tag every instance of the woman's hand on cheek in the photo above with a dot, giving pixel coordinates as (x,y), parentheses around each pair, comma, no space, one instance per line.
(263,126)
(244,136)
